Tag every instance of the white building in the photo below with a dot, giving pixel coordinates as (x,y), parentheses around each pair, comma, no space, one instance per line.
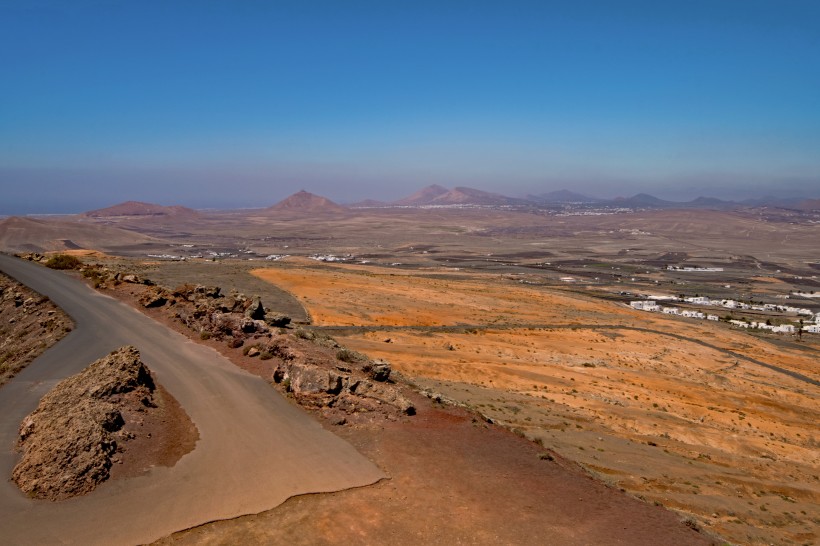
(700,300)
(648,305)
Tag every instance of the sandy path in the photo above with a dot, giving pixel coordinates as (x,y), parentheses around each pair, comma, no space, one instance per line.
(255,449)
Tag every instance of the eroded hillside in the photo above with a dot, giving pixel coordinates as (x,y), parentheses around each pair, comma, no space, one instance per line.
(29,324)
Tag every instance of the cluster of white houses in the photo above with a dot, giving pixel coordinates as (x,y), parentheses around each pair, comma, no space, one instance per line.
(651,305)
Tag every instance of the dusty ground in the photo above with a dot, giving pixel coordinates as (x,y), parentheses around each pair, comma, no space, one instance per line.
(161,437)
(454,480)
(679,412)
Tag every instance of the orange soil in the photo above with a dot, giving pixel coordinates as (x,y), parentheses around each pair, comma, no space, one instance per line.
(679,423)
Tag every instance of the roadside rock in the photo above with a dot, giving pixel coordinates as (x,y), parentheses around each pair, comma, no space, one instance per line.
(256,311)
(33,257)
(310,371)
(69,441)
(29,323)
(278,320)
(156,297)
(379,370)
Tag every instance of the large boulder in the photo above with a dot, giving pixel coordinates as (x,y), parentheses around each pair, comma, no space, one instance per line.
(156,297)
(378,370)
(68,442)
(386,394)
(305,379)
(256,310)
(277,320)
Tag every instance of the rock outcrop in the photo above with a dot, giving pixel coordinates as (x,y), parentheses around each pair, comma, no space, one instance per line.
(29,324)
(70,440)
(204,309)
(317,378)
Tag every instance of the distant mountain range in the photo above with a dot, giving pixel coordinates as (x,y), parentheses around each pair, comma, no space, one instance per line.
(562,196)
(435,195)
(138,208)
(438,195)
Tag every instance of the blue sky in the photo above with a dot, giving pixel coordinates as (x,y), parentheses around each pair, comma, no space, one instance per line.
(219,103)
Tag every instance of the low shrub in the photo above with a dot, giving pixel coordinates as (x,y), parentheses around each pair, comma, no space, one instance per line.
(346,355)
(63,261)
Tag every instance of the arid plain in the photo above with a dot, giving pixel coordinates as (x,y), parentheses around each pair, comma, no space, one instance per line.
(522,316)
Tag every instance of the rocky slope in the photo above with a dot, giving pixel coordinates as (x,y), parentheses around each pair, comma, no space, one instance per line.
(29,324)
(314,369)
(81,427)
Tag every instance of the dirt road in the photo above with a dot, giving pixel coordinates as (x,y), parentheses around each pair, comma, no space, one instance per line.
(255,449)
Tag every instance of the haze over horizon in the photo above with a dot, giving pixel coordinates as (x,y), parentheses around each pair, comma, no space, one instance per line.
(239,104)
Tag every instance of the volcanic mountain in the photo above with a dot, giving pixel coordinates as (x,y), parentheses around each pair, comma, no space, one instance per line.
(303,201)
(138,208)
(437,195)
(643,200)
(42,235)
(424,196)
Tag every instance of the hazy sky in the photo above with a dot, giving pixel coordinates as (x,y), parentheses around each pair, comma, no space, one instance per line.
(240,103)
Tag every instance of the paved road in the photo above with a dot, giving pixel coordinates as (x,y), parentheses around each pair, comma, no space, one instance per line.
(255,449)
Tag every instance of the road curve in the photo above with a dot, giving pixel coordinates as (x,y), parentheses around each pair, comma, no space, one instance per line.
(255,449)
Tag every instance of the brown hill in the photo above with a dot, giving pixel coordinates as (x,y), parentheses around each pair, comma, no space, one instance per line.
(439,196)
(44,235)
(138,208)
(303,201)
(470,196)
(424,196)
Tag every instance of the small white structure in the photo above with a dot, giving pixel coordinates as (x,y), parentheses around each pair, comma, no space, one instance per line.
(648,305)
(700,300)
(712,317)
(812,328)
